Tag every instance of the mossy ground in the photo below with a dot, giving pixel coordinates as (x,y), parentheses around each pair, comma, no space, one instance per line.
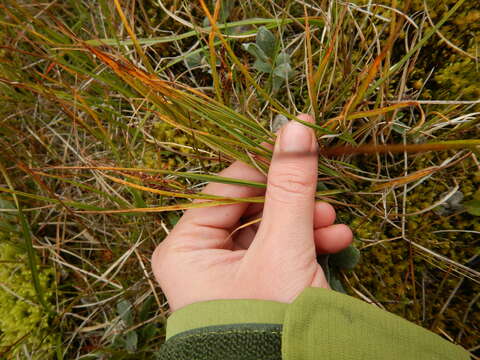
(453,65)
(439,301)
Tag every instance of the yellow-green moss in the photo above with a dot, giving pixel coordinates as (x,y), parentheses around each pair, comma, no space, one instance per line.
(158,157)
(460,78)
(386,268)
(24,326)
(155,157)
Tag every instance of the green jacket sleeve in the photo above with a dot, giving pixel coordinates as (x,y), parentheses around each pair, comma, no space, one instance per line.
(319,324)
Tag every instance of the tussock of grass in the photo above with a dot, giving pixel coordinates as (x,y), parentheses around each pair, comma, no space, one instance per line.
(114,115)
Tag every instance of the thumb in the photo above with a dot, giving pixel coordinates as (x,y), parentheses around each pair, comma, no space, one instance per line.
(292,179)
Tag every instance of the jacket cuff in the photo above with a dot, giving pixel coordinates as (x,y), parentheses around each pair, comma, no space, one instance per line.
(225,312)
(319,322)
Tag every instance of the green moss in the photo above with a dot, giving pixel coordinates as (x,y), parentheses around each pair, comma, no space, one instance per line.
(455,75)
(24,326)
(178,140)
(156,157)
(460,78)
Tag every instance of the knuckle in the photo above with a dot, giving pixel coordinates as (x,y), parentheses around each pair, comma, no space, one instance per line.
(290,182)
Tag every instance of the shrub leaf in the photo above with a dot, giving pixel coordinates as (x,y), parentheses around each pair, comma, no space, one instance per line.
(262,66)
(283,71)
(346,259)
(266,41)
(255,50)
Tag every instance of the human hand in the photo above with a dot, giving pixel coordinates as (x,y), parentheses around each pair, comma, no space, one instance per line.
(276,260)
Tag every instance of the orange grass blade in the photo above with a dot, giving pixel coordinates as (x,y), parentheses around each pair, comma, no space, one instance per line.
(374,68)
(376,112)
(160,208)
(131,33)
(211,45)
(184,195)
(195,205)
(310,76)
(406,179)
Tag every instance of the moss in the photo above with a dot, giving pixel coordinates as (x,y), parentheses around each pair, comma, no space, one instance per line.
(455,75)
(402,279)
(460,78)
(178,140)
(23,323)
(155,157)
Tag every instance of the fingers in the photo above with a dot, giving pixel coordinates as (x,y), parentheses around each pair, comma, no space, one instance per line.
(324,215)
(328,240)
(333,238)
(292,178)
(214,223)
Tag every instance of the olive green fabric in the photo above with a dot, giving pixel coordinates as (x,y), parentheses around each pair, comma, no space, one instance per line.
(225,312)
(319,324)
(232,342)
(327,325)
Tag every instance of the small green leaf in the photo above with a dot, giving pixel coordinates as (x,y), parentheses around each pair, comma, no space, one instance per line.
(346,259)
(147,308)
(194,60)
(148,332)
(266,41)
(283,71)
(399,127)
(131,341)
(283,58)
(262,66)
(277,83)
(124,310)
(173,218)
(255,50)
(335,283)
(278,121)
(473,207)
(322,259)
